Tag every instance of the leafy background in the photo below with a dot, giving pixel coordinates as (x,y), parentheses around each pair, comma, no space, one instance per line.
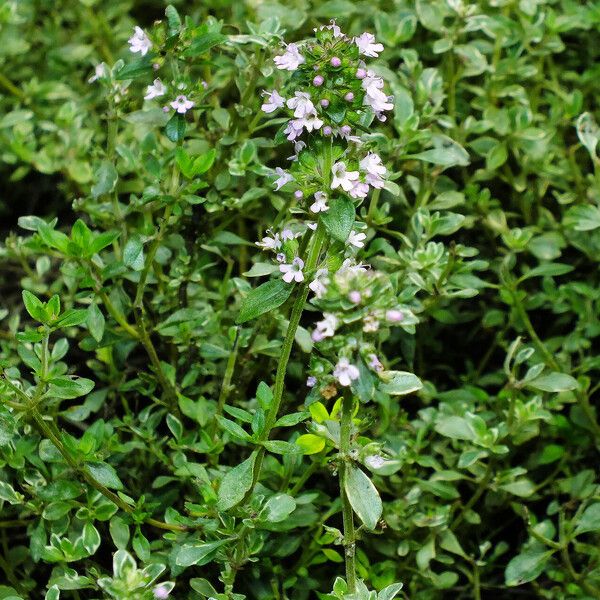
(490,490)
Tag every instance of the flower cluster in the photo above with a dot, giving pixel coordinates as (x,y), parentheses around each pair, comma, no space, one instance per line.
(332,91)
(331,97)
(179,102)
(357,302)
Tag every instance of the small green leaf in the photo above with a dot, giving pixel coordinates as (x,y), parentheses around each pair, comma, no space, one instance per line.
(95,322)
(235,484)
(339,219)
(198,554)
(310,443)
(71,318)
(133,254)
(589,519)
(105,179)
(554,382)
(175,128)
(363,496)
(66,388)
(201,43)
(233,429)
(281,447)
(526,567)
(265,298)
(399,383)
(134,70)
(105,474)
(34,306)
(277,508)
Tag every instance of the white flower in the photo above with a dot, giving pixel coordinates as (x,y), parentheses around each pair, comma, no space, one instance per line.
(290,60)
(367,45)
(359,190)
(139,41)
(270,243)
(274,101)
(325,328)
(371,164)
(345,373)
(157,89)
(100,71)
(343,178)
(320,203)
(349,267)
(312,226)
(287,235)
(294,129)
(301,105)
(319,284)
(293,271)
(356,239)
(181,104)
(312,122)
(284,177)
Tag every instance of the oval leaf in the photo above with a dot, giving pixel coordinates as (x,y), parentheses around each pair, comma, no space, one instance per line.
(363,496)
(263,299)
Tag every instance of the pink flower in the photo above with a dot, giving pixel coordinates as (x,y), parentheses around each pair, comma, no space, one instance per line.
(345,372)
(274,101)
(290,60)
(367,46)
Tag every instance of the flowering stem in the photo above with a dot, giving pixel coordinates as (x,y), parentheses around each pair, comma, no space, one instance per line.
(347,515)
(314,251)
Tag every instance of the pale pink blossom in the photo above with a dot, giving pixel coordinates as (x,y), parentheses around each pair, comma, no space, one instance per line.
(290,60)
(345,372)
(156,90)
(320,203)
(367,46)
(274,101)
(139,41)
(181,104)
(283,178)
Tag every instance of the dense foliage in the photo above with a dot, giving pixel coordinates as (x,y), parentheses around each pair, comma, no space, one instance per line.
(299,300)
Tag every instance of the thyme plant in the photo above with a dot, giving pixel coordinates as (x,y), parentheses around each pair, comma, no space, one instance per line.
(299,300)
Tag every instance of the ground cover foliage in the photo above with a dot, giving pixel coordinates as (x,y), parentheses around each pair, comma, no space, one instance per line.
(315,320)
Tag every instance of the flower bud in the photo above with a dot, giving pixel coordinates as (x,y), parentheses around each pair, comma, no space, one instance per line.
(336,62)
(361,73)
(318,80)
(345,129)
(327,130)
(394,316)
(299,194)
(324,103)
(355,297)
(349,97)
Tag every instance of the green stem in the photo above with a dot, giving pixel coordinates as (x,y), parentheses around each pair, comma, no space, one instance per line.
(347,514)
(314,252)
(226,386)
(8,85)
(50,431)
(551,362)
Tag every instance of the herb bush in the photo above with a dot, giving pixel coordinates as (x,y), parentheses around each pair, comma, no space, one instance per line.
(297,308)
